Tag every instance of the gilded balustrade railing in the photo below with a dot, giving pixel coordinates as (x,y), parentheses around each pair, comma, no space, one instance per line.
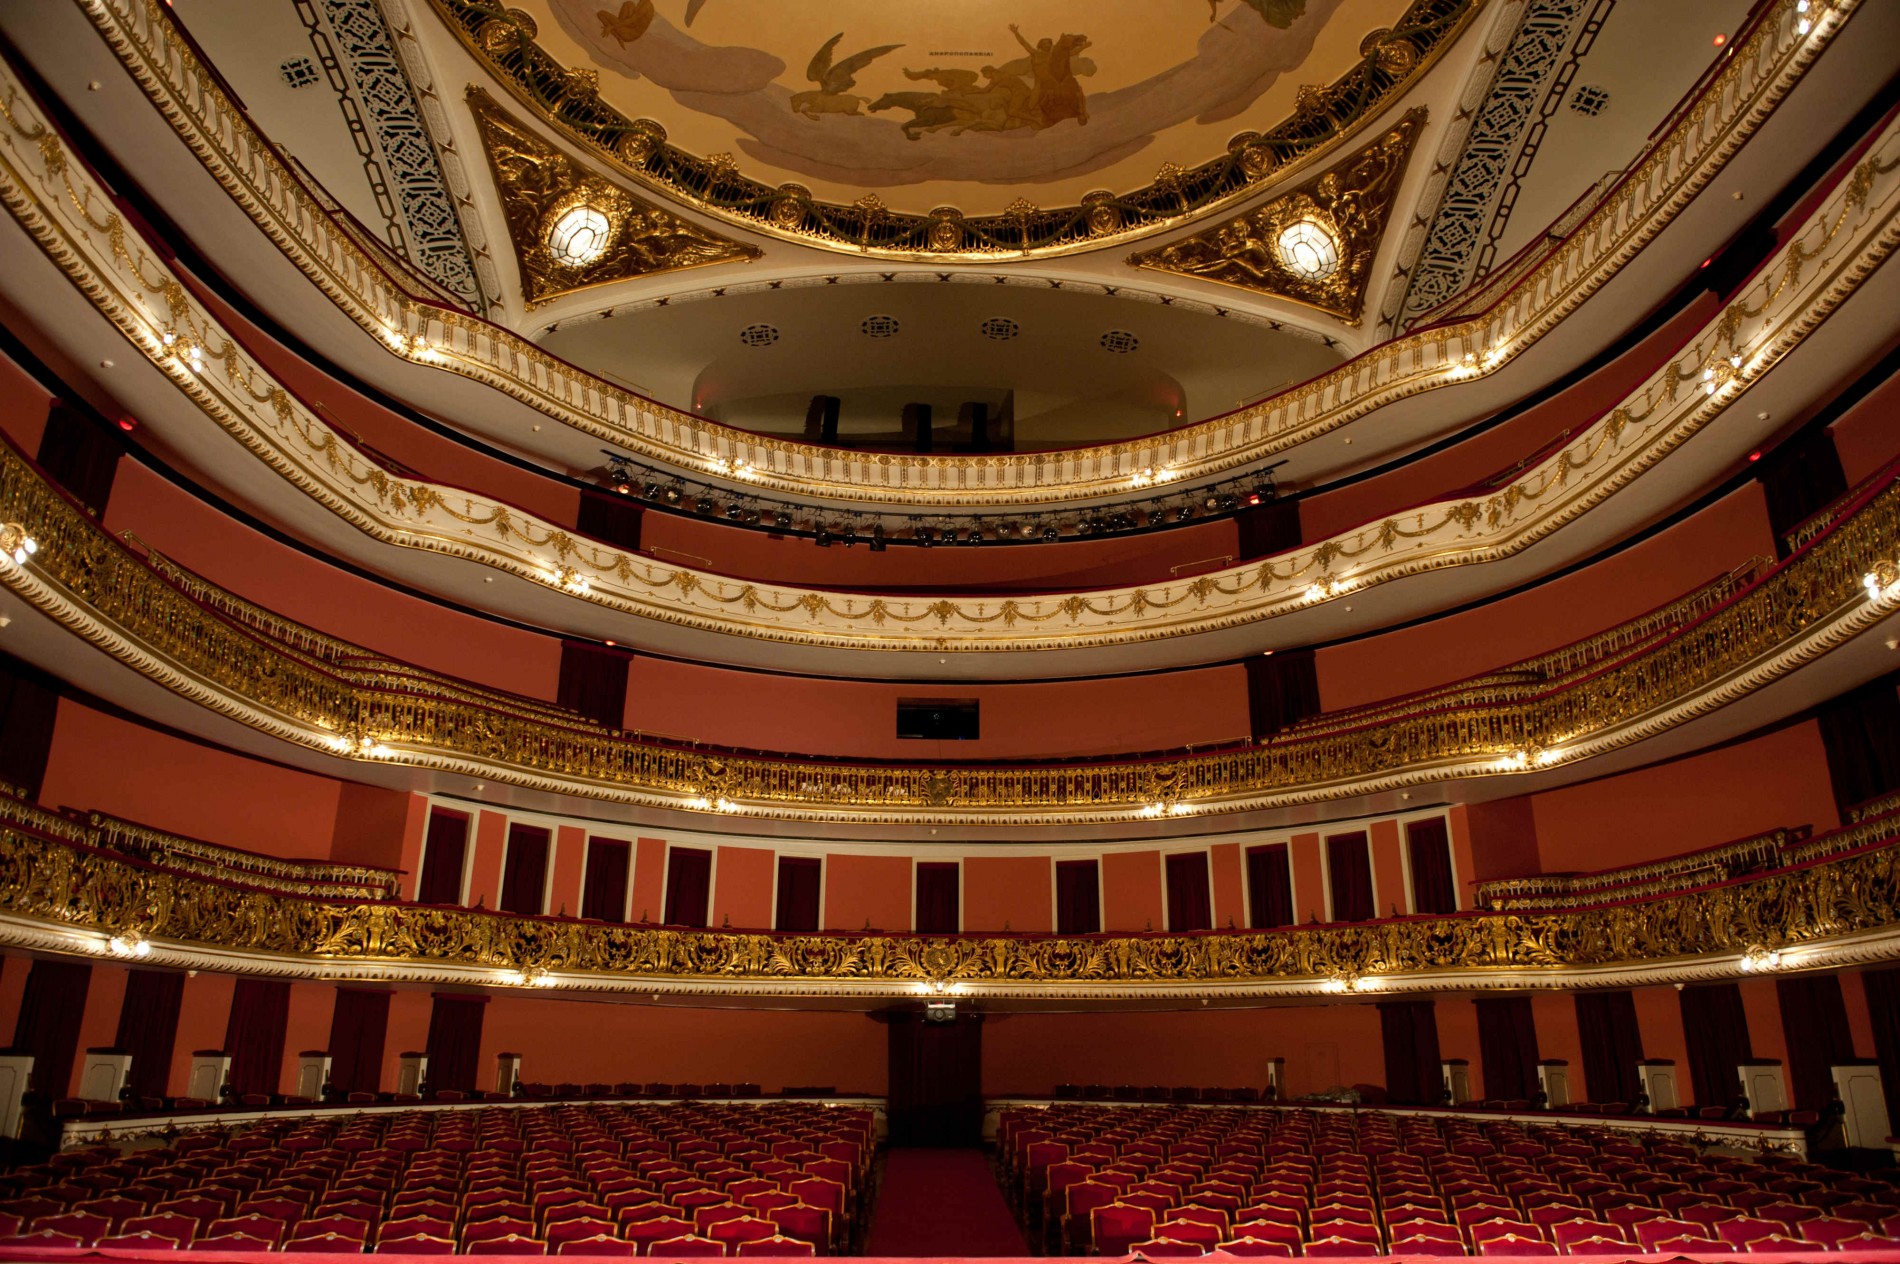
(210,860)
(1757,73)
(99,586)
(55,892)
(1567,890)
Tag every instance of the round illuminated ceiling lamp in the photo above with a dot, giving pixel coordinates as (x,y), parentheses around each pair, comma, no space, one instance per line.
(1308,249)
(579,237)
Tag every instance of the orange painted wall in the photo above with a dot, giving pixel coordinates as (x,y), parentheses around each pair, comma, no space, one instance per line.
(1503,840)
(1777,779)
(1013,892)
(300,587)
(408,1031)
(14,967)
(583,1041)
(371,823)
(743,879)
(1228,885)
(488,847)
(1458,1037)
(101,762)
(1659,1019)
(1032,1053)
(1388,869)
(306,1026)
(873,891)
(1548,616)
(1555,1017)
(1867,436)
(99,1023)
(1131,892)
(859,718)
(203,1013)
(1309,882)
(565,865)
(1859,1018)
(23,407)
(1766,1038)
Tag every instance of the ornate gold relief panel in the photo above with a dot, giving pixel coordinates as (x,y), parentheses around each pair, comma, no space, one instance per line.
(1313,245)
(570,228)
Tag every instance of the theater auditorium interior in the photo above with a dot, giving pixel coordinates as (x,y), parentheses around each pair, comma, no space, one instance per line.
(699,628)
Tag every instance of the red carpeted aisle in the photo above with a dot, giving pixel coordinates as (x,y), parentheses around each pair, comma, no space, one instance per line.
(942,1203)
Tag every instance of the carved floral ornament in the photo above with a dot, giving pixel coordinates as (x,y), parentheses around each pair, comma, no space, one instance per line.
(1846,236)
(1758,72)
(60,891)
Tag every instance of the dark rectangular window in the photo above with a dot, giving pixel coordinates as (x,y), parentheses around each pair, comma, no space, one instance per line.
(1430,853)
(81,453)
(939,719)
(1349,870)
(799,879)
(937,912)
(1282,690)
(604,890)
(1269,887)
(610,518)
(1078,897)
(444,849)
(524,874)
(1188,906)
(29,703)
(593,682)
(688,886)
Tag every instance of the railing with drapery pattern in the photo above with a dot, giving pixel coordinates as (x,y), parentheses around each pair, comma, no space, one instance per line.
(76,894)
(1761,67)
(1675,873)
(1842,583)
(180,854)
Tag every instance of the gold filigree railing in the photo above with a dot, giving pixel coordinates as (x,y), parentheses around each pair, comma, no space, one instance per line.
(1758,72)
(51,887)
(1696,868)
(180,854)
(97,585)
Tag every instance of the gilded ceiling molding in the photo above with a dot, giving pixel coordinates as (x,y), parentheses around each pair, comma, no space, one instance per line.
(1848,234)
(503,41)
(63,895)
(1757,75)
(1314,244)
(572,230)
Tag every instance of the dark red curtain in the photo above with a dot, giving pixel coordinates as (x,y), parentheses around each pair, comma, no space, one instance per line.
(936,1080)
(148,1027)
(48,1026)
(1269,887)
(1814,1021)
(1507,1045)
(444,850)
(604,889)
(610,518)
(593,681)
(1189,907)
(524,875)
(359,1029)
(1715,1025)
(1078,897)
(937,911)
(254,1036)
(799,880)
(1801,477)
(1282,689)
(1412,1073)
(1883,1006)
(688,886)
(455,1041)
(1432,890)
(1860,733)
(1267,528)
(81,452)
(1349,869)
(1612,1045)
(29,701)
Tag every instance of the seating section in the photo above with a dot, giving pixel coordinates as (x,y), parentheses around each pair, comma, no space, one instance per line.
(778,1178)
(1175,1180)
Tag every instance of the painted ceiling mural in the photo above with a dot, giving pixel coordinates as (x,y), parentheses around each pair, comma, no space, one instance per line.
(970,130)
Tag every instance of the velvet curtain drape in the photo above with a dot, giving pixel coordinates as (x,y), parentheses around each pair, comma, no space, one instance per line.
(1413,1076)
(524,877)
(610,518)
(148,1027)
(29,701)
(1281,690)
(359,1030)
(1883,1007)
(1190,907)
(604,889)
(1507,1046)
(1078,897)
(444,852)
(455,1041)
(1612,1045)
(800,879)
(688,886)
(1814,1021)
(937,903)
(936,1080)
(81,452)
(1429,849)
(48,1026)
(1716,1026)
(1269,887)
(593,681)
(1349,870)
(1860,733)
(254,1035)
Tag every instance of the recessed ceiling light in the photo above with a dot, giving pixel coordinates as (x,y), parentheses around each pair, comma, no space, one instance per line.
(880,326)
(579,237)
(757,336)
(1119,341)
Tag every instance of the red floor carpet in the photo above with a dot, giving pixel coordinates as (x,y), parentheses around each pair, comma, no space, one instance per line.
(941,1203)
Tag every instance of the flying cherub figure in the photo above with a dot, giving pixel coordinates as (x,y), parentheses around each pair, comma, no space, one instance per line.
(629,24)
(834,95)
